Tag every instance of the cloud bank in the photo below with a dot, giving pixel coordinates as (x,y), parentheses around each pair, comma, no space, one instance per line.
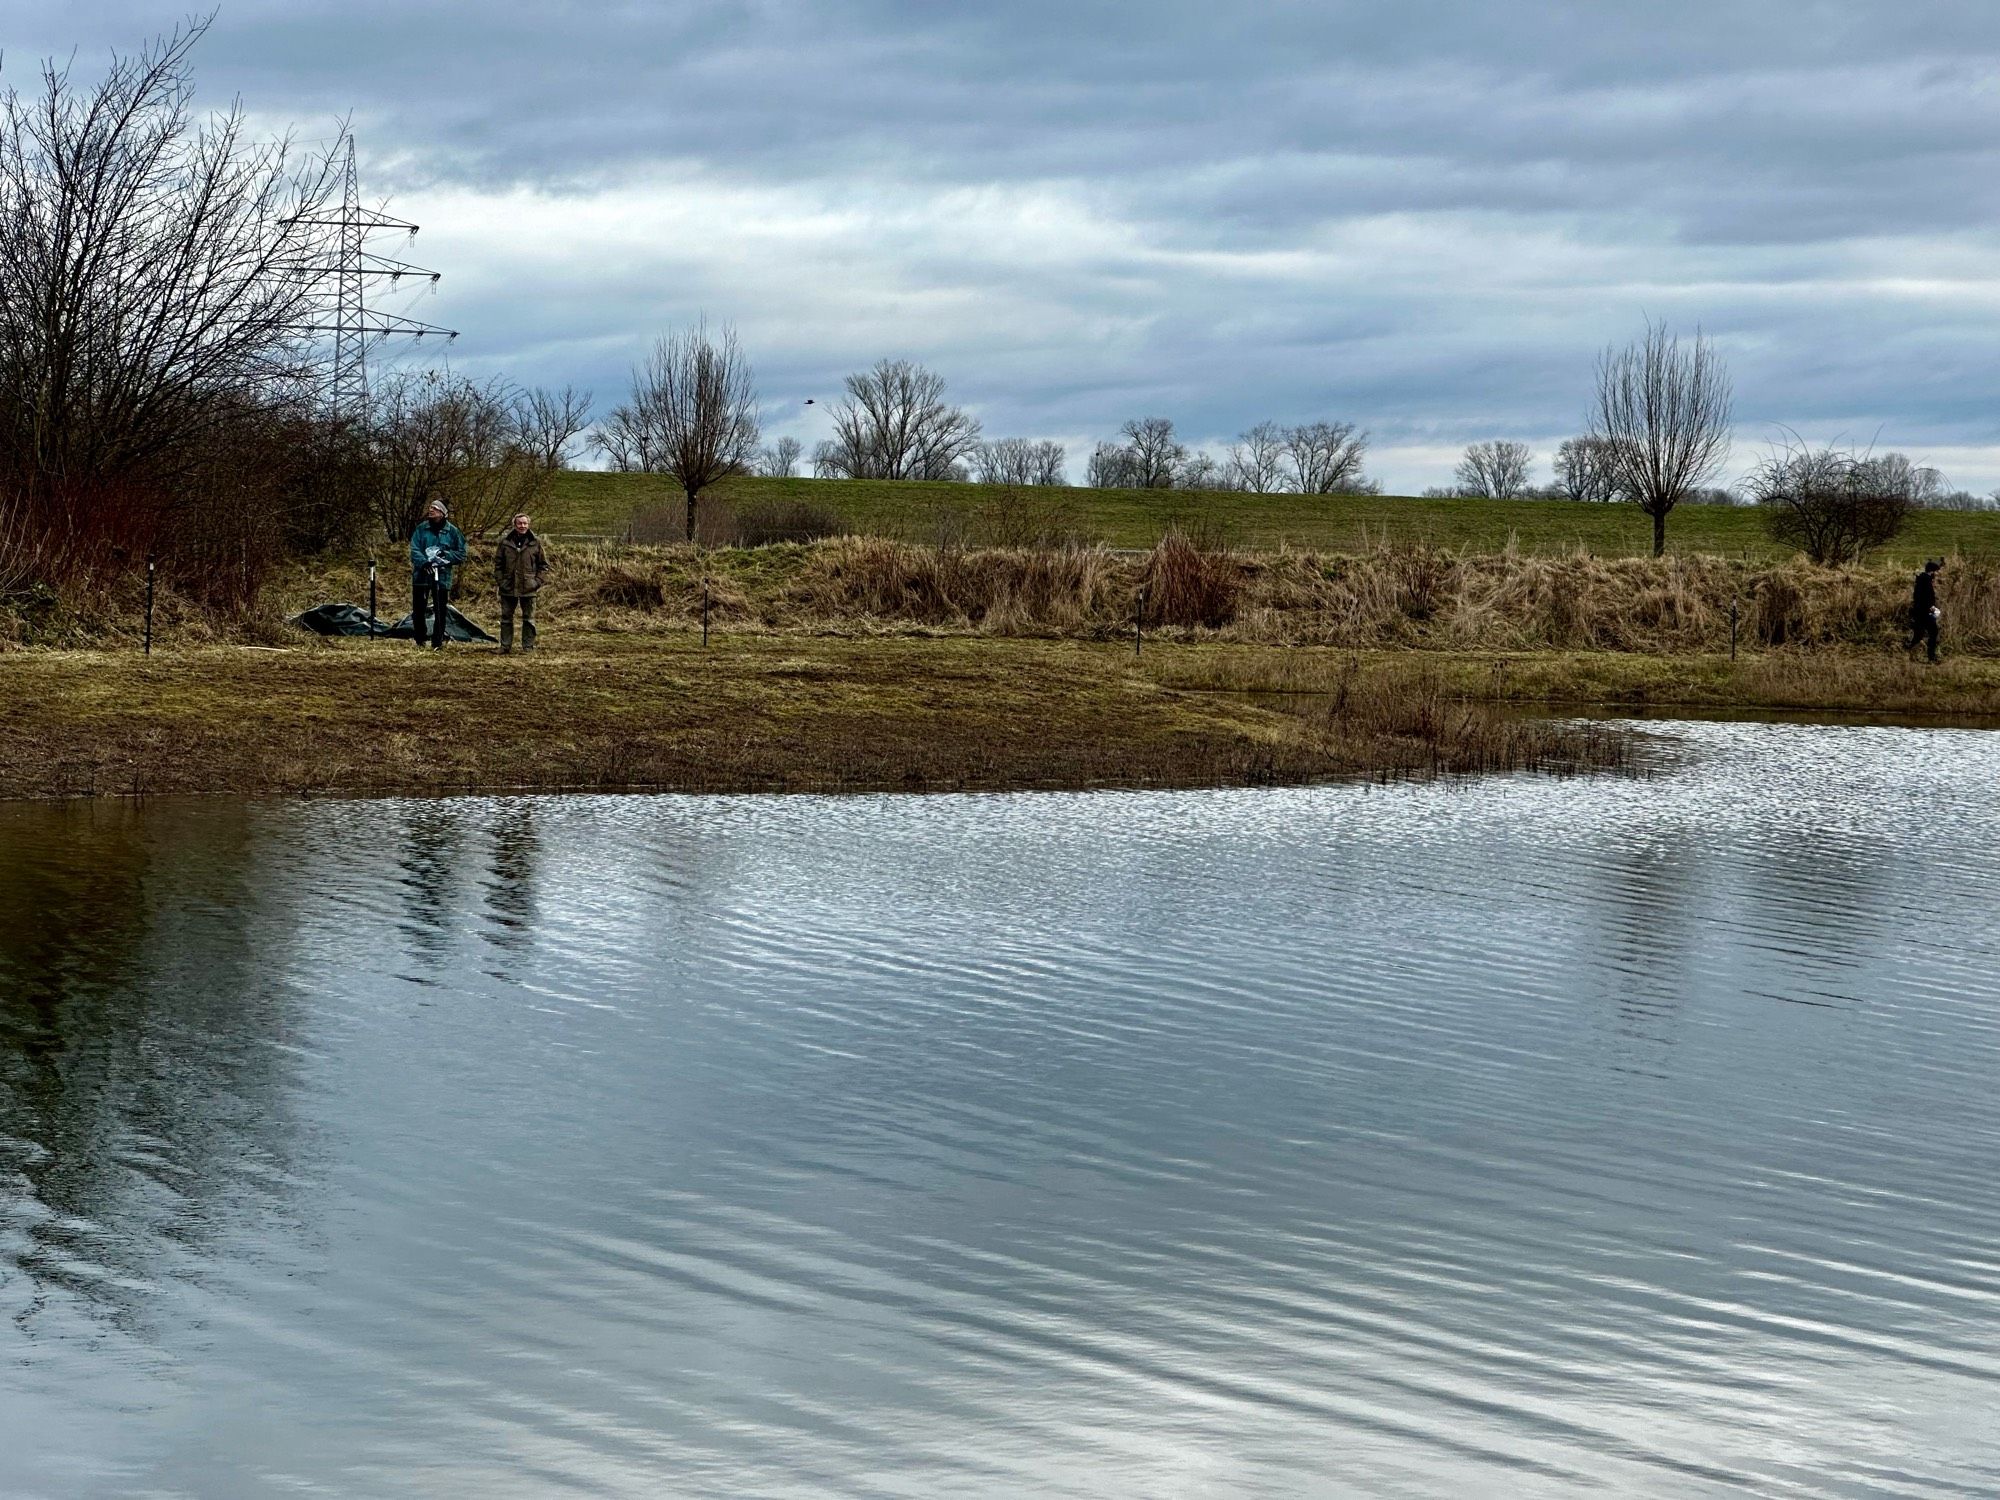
(1425,218)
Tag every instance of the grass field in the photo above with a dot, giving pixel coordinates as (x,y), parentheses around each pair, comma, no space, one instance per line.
(606,505)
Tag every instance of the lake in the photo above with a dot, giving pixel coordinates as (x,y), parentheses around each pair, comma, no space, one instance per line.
(1511,1137)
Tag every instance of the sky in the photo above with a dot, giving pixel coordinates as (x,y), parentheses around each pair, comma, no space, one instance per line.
(1428,217)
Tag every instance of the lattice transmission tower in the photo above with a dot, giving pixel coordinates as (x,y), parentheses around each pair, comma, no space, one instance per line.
(353,324)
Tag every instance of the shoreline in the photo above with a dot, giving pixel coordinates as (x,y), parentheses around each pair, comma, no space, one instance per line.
(658,712)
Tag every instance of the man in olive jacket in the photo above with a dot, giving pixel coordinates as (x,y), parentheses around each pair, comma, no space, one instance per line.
(519,564)
(436,547)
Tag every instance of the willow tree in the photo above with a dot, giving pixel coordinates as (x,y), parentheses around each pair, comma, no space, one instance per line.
(692,414)
(1663,412)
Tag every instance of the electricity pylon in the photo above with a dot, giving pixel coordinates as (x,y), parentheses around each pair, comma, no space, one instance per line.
(354,325)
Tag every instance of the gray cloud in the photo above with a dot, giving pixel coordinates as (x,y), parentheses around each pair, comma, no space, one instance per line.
(1428,218)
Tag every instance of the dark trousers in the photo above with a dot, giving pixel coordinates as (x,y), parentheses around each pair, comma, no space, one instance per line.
(429,598)
(1924,628)
(526,604)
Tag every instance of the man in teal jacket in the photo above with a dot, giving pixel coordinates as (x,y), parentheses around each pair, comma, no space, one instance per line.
(436,546)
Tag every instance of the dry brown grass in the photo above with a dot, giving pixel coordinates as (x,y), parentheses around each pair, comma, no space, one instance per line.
(754,713)
(1390,596)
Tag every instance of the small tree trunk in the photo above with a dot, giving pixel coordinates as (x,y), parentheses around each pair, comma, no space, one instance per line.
(690,514)
(1659,532)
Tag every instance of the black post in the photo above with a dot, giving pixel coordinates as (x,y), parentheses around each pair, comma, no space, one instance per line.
(1733,610)
(149,604)
(1138,619)
(371,598)
(704,611)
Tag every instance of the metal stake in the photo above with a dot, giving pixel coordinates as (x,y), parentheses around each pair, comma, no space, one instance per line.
(1138,619)
(704,611)
(149,605)
(1734,605)
(371,598)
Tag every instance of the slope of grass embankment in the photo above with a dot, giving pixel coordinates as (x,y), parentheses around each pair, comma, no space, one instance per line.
(607,505)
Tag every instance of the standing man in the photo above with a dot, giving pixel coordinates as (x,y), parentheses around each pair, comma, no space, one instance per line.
(436,546)
(518,565)
(1924,613)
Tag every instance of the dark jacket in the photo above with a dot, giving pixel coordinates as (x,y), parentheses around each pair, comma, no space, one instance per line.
(447,542)
(1923,599)
(519,563)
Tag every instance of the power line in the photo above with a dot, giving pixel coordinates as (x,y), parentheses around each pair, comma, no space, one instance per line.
(353,324)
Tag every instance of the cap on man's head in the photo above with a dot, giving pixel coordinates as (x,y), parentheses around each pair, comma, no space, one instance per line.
(438,506)
(1931,565)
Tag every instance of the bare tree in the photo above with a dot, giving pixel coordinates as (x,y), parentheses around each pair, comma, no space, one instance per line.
(1110,468)
(1665,409)
(1157,456)
(1894,473)
(549,422)
(1201,471)
(1496,470)
(781,459)
(155,274)
(1585,470)
(1256,460)
(444,437)
(1832,504)
(1325,458)
(692,414)
(1018,461)
(894,423)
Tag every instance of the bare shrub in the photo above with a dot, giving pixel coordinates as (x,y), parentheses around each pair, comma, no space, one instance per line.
(762,523)
(1035,517)
(446,437)
(1834,505)
(155,276)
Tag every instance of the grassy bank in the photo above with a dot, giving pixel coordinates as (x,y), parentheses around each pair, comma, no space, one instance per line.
(1389,597)
(607,504)
(610,712)
(868,663)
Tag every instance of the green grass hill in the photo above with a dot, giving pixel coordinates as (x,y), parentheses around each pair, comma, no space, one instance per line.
(611,505)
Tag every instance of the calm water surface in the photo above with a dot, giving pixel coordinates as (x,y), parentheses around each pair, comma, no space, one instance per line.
(1518,1138)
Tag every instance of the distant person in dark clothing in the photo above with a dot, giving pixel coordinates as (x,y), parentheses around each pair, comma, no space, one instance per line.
(436,546)
(519,564)
(1924,614)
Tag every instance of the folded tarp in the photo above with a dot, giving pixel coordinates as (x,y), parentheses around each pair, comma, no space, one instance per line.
(351,619)
(340,619)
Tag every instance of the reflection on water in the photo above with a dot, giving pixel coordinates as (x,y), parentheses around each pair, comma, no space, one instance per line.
(1510,1138)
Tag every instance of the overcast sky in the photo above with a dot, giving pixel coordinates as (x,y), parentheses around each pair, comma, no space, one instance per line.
(1427,217)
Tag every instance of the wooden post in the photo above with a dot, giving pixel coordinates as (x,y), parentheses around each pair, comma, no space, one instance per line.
(1734,610)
